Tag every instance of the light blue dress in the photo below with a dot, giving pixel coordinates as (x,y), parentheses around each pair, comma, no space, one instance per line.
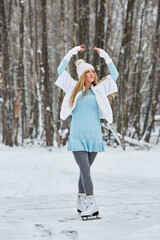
(85,129)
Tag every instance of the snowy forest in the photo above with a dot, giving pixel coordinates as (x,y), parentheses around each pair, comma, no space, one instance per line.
(45,189)
(34,37)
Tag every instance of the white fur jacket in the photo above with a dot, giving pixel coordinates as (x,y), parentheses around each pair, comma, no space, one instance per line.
(101,91)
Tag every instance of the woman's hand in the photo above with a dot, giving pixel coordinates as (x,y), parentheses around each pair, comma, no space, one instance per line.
(82,49)
(103,54)
(97,49)
(77,49)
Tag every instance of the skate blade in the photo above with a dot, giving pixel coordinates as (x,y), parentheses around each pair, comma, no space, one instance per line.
(87,218)
(79,211)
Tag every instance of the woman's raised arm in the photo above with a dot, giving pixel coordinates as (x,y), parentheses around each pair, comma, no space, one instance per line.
(112,69)
(62,66)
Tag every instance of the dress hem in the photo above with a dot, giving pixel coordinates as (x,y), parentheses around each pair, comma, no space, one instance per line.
(91,146)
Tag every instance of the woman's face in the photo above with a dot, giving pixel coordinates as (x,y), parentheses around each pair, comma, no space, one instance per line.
(90,75)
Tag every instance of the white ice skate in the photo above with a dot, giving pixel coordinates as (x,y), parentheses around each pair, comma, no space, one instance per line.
(91,212)
(81,202)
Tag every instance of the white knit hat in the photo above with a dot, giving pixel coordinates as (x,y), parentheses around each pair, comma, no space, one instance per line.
(82,66)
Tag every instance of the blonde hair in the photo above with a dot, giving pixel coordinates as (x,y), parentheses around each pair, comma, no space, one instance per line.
(83,82)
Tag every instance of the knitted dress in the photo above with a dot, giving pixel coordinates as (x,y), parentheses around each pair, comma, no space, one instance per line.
(85,129)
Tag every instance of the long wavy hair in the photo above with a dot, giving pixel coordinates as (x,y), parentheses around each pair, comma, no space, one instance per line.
(83,82)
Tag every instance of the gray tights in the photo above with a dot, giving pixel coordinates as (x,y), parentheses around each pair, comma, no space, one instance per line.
(84,160)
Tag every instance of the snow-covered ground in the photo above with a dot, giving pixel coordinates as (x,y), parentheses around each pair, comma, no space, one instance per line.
(38,190)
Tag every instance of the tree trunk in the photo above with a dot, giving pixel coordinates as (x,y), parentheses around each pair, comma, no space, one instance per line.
(38,104)
(83,22)
(7,108)
(109,20)
(20,82)
(134,111)
(99,39)
(154,107)
(151,79)
(123,68)
(45,81)
(34,114)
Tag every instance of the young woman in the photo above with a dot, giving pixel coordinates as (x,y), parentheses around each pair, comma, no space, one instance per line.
(86,100)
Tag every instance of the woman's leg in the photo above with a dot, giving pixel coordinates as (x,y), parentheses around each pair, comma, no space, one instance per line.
(91,157)
(80,184)
(82,160)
